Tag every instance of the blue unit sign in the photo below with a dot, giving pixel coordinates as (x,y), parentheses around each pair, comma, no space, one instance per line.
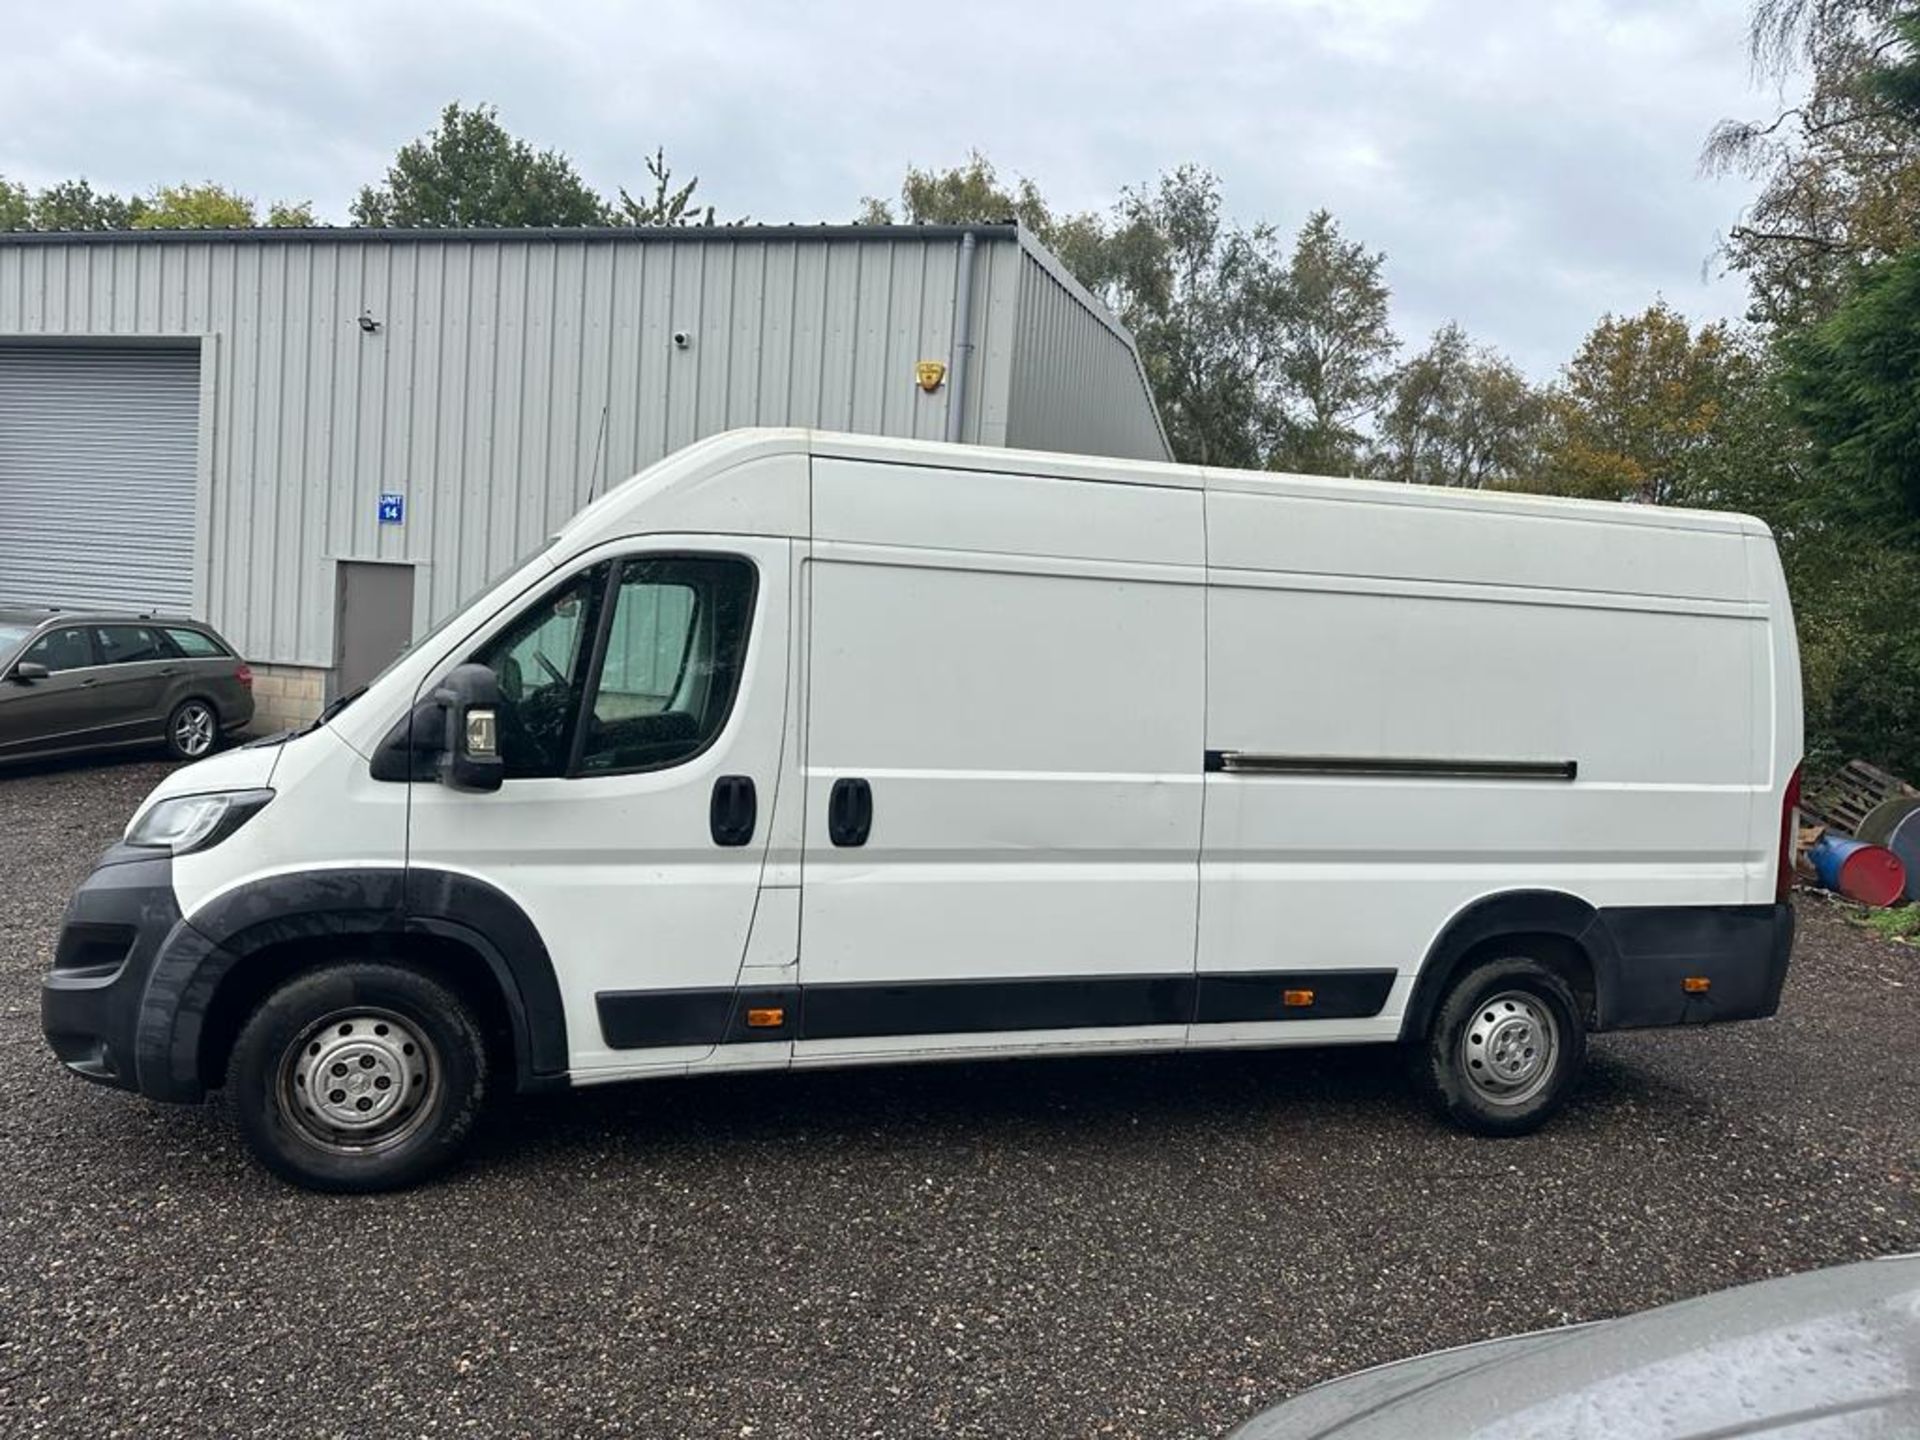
(393,507)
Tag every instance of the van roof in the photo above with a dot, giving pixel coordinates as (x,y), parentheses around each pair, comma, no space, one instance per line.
(886,450)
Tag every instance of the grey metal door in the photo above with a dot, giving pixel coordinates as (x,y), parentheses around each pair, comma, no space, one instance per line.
(373,621)
(98,453)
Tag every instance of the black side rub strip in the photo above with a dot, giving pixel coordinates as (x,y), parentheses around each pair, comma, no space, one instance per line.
(638,1019)
(1248,762)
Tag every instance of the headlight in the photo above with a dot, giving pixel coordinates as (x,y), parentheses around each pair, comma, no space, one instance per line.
(195,822)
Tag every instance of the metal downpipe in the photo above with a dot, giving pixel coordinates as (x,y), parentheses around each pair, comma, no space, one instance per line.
(962,340)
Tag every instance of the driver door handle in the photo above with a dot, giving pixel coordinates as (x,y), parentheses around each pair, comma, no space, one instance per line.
(733,810)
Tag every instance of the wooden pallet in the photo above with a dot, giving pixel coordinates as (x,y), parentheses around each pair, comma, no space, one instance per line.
(1846,797)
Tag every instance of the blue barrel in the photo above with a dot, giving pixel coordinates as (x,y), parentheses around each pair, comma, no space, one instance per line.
(1871,874)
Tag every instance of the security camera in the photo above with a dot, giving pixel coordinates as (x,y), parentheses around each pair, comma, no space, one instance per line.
(682,339)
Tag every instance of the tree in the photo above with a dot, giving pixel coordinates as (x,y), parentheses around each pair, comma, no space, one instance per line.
(1205,301)
(1459,415)
(468,172)
(1639,405)
(669,206)
(1336,342)
(1854,382)
(1840,171)
(76,205)
(972,194)
(1257,356)
(291,215)
(195,207)
(16,205)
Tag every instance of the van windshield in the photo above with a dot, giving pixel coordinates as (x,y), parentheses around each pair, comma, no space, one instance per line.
(11,635)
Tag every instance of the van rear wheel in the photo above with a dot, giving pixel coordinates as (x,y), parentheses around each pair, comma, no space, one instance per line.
(358,1076)
(1505,1048)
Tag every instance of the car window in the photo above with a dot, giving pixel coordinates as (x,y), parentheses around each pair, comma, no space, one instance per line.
(675,644)
(193,644)
(129,644)
(61,650)
(541,662)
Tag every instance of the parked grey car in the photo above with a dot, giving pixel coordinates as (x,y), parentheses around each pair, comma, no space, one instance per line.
(1833,1354)
(73,681)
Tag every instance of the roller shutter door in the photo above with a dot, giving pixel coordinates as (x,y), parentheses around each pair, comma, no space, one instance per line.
(97,452)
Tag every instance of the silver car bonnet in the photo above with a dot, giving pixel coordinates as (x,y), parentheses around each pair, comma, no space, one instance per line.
(1834,1353)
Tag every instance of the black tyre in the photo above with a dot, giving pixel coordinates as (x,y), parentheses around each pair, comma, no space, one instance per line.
(193,730)
(1504,1049)
(358,1076)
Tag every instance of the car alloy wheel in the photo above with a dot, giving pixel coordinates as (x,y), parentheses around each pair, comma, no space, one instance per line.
(194,729)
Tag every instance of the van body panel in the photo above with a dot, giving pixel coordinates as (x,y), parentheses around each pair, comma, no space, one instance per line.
(988,515)
(942,622)
(1395,634)
(335,817)
(1350,536)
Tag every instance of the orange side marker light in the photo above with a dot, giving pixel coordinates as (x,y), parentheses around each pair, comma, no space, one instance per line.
(1295,999)
(770,1018)
(1696,984)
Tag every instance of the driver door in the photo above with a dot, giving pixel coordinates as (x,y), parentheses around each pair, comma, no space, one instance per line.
(642,710)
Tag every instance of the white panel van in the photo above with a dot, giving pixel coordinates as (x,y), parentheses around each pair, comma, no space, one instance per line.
(804,749)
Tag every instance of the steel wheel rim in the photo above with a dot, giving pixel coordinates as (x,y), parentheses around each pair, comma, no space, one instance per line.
(1510,1047)
(359,1080)
(193,730)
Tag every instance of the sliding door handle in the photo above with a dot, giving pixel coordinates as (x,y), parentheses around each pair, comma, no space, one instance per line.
(850,812)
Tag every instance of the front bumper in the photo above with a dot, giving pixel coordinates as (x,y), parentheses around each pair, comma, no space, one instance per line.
(117,924)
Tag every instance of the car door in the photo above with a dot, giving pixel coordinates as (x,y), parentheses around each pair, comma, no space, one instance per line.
(643,700)
(136,666)
(59,712)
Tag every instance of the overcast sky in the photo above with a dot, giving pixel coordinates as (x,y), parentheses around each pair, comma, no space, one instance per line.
(1524,164)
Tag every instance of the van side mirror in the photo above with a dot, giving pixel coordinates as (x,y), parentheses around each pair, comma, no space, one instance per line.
(28,671)
(470,757)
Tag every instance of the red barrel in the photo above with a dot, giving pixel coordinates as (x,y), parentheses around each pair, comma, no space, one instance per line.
(1871,874)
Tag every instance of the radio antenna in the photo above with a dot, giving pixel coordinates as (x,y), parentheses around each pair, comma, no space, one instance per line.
(593,475)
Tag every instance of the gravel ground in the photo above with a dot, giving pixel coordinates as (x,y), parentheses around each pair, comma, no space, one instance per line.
(1146,1247)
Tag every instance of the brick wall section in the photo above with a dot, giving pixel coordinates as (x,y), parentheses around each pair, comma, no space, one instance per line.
(285,696)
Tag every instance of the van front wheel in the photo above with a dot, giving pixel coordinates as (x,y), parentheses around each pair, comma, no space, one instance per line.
(358,1076)
(1504,1049)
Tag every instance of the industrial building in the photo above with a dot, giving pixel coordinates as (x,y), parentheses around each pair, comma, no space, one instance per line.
(322,440)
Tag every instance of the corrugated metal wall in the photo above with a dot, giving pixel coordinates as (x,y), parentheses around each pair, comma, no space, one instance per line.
(507,375)
(1074,384)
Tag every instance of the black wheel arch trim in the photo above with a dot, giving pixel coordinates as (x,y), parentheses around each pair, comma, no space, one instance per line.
(1511,912)
(205,949)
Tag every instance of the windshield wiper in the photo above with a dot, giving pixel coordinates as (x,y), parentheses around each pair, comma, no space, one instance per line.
(334,709)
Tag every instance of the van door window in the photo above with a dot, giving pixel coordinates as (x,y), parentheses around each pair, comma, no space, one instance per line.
(675,643)
(541,661)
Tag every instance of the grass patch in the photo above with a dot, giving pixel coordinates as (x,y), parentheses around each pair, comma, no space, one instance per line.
(1901,924)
